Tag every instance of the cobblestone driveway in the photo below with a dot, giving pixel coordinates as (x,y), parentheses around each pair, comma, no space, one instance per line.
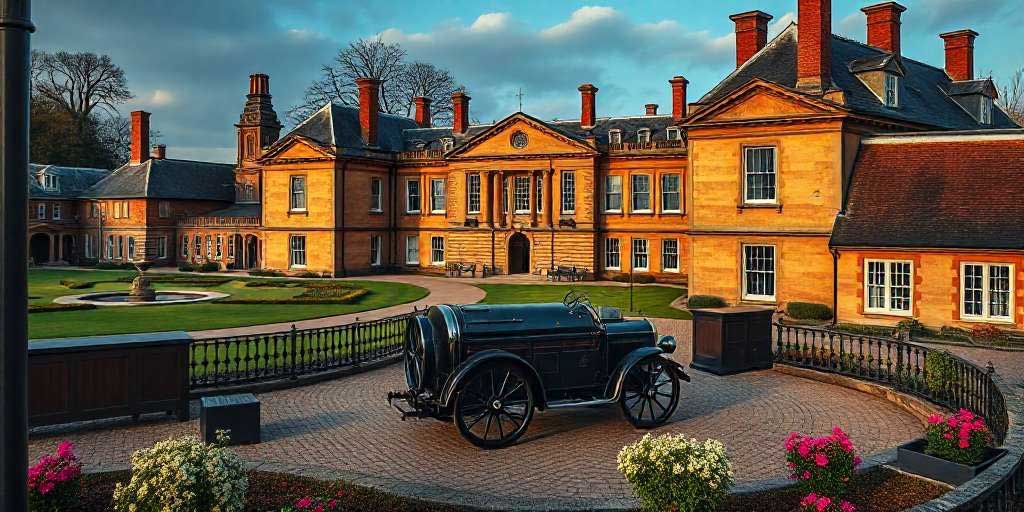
(343,429)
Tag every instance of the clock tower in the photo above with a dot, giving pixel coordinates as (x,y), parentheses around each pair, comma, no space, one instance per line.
(258,126)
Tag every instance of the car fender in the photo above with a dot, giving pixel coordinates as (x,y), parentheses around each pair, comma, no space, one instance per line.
(618,377)
(459,375)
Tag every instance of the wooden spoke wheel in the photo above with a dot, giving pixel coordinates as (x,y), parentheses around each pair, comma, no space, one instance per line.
(418,359)
(495,405)
(650,393)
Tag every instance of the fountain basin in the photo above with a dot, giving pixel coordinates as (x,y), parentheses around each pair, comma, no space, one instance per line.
(163,297)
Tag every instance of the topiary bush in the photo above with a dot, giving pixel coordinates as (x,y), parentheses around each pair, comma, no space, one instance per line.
(187,267)
(940,370)
(704,301)
(671,472)
(808,311)
(209,266)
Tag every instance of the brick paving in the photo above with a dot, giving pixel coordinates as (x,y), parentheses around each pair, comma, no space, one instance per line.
(343,429)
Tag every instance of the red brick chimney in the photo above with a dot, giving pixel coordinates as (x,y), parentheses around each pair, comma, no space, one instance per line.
(259,84)
(140,137)
(960,54)
(884,26)
(460,112)
(652,109)
(751,34)
(814,45)
(159,152)
(588,111)
(678,97)
(422,111)
(369,109)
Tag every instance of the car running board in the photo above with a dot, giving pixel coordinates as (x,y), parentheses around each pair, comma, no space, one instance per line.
(565,404)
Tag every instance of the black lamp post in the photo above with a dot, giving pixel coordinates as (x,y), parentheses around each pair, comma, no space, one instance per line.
(15,27)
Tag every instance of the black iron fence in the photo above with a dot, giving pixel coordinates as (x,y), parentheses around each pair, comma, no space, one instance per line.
(248,359)
(934,375)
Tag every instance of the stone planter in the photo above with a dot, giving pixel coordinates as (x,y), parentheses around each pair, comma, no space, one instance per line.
(911,458)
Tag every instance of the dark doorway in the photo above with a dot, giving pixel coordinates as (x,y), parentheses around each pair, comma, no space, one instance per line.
(252,252)
(68,241)
(518,254)
(237,250)
(39,248)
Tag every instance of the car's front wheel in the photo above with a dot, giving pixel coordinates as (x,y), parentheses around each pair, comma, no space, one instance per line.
(650,393)
(494,406)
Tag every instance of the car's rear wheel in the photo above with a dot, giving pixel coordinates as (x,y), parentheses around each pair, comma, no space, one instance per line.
(650,393)
(419,354)
(495,405)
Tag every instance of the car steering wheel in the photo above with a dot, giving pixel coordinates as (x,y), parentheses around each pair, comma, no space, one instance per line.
(575,299)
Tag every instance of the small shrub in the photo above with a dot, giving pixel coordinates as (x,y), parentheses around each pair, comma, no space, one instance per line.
(316,504)
(808,311)
(988,334)
(85,262)
(209,266)
(48,308)
(309,274)
(184,474)
(187,267)
(961,438)
(673,472)
(53,481)
(74,284)
(637,278)
(815,503)
(940,370)
(266,273)
(110,265)
(822,465)
(911,326)
(704,301)
(954,333)
(863,330)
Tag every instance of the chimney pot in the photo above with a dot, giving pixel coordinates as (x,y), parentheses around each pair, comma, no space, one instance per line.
(883,24)
(369,109)
(159,151)
(814,45)
(751,34)
(259,84)
(678,97)
(422,111)
(140,137)
(960,54)
(652,109)
(460,112)
(588,110)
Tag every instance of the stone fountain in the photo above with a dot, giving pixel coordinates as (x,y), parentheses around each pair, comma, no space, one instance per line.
(142,289)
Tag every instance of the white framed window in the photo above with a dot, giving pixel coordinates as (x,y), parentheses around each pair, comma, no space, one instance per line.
(51,182)
(220,247)
(540,194)
(126,209)
(131,248)
(613,194)
(759,174)
(298,193)
(987,291)
(985,110)
(119,253)
(888,287)
(640,193)
(297,253)
(164,209)
(672,133)
(437,250)
(412,196)
(614,136)
(184,246)
(231,247)
(643,136)
(198,246)
(94,210)
(473,193)
(671,202)
(447,144)
(88,246)
(161,247)
(521,189)
(670,255)
(759,272)
(639,254)
(375,250)
(209,247)
(376,191)
(41,211)
(437,196)
(568,192)
(56,211)
(892,90)
(412,250)
(110,247)
(612,255)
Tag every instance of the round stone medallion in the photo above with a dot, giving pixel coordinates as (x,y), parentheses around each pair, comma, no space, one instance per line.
(519,140)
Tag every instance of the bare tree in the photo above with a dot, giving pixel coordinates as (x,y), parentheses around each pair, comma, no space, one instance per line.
(400,81)
(81,84)
(1011,97)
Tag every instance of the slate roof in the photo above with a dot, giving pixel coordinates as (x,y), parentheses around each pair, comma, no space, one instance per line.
(236,210)
(338,125)
(168,179)
(923,97)
(73,180)
(937,191)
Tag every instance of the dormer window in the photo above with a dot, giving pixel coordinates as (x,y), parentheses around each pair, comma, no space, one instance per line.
(614,136)
(892,90)
(643,136)
(672,133)
(49,181)
(985,113)
(447,143)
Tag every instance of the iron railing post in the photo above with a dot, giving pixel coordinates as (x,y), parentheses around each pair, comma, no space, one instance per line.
(291,335)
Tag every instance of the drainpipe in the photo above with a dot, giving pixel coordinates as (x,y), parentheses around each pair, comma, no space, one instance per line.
(393,228)
(835,286)
(344,199)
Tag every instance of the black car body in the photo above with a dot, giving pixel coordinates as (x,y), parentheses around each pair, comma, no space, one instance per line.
(489,366)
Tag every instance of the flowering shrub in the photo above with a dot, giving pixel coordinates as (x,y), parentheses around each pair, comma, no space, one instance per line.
(316,504)
(53,481)
(986,333)
(962,437)
(673,472)
(184,474)
(822,465)
(815,503)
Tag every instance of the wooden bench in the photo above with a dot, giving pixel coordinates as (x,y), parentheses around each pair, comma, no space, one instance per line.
(570,273)
(490,270)
(456,269)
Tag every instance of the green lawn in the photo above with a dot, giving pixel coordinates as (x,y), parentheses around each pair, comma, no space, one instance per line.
(44,286)
(653,301)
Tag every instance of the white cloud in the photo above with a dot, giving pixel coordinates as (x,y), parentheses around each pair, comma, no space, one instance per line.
(779,24)
(160,98)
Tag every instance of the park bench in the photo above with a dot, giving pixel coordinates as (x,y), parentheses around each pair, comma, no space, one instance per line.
(570,273)
(456,269)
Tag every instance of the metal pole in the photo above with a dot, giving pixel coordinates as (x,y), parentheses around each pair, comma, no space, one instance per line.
(15,26)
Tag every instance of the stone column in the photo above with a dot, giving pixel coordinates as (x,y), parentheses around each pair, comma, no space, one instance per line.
(424,195)
(60,247)
(53,249)
(499,218)
(549,198)
(485,199)
(510,189)
(533,194)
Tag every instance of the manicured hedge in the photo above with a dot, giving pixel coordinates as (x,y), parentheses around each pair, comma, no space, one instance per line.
(705,301)
(77,285)
(808,311)
(266,273)
(187,267)
(47,308)
(209,266)
(637,278)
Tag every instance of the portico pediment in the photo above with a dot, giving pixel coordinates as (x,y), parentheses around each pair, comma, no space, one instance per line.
(760,100)
(295,147)
(520,135)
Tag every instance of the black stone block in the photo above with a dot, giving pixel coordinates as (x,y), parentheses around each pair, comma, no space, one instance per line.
(239,414)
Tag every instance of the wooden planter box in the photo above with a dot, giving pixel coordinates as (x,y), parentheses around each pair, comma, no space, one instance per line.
(732,340)
(911,458)
(95,377)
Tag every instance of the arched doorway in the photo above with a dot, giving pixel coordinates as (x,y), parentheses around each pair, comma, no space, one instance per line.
(39,248)
(518,254)
(252,252)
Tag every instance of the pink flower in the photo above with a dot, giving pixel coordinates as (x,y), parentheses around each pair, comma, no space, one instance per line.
(821,459)
(809,500)
(304,503)
(823,503)
(935,419)
(857,460)
(964,444)
(332,504)
(319,508)
(805,448)
(846,506)
(806,475)
(948,436)
(66,450)
(45,487)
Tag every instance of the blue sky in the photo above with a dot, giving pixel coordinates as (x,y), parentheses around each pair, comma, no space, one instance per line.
(188,61)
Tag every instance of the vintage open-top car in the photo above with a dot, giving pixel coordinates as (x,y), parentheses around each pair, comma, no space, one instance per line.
(487,367)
